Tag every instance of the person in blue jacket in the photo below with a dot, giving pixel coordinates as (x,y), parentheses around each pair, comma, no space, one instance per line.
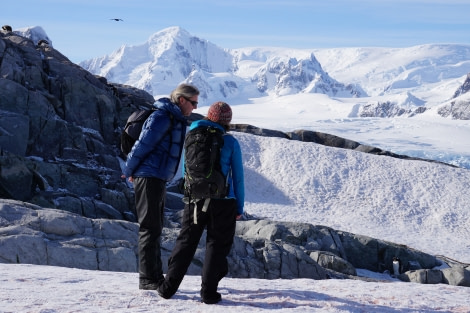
(219,219)
(152,162)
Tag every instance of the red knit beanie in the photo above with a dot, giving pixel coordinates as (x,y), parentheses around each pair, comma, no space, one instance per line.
(220,112)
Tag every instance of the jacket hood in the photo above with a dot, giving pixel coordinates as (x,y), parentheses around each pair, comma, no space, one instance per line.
(206,123)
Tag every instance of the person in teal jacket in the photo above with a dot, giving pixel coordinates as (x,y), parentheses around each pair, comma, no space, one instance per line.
(219,219)
(152,162)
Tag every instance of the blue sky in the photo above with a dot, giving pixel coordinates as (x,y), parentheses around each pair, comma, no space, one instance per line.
(82,29)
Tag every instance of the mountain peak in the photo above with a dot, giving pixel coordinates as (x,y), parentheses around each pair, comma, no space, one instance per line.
(172,56)
(170,33)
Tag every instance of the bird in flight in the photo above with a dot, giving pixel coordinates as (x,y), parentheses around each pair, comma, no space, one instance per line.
(117,19)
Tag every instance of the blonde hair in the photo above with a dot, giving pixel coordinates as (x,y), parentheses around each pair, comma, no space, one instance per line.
(183,90)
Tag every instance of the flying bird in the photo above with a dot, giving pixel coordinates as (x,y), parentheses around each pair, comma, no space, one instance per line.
(117,19)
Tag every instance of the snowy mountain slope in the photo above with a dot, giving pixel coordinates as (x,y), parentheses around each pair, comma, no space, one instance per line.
(426,74)
(284,74)
(173,55)
(427,135)
(158,65)
(397,200)
(431,73)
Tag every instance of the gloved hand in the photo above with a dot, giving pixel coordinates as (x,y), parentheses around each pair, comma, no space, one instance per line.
(181,186)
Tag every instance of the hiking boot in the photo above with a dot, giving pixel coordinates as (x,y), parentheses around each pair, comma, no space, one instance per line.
(148,286)
(212,298)
(165,292)
(145,284)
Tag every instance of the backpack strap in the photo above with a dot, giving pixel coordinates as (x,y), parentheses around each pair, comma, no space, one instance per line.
(140,117)
(204,208)
(214,143)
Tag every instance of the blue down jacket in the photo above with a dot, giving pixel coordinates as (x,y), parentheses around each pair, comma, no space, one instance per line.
(230,159)
(157,152)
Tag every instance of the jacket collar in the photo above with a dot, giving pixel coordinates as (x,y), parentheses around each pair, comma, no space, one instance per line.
(173,109)
(206,123)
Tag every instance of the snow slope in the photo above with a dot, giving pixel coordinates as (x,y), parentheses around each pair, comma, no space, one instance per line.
(402,201)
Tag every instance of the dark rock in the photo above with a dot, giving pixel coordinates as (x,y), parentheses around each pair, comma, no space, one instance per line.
(422,276)
(458,109)
(66,121)
(464,88)
(457,276)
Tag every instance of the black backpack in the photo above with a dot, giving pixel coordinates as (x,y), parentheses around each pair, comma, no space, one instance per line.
(203,176)
(133,128)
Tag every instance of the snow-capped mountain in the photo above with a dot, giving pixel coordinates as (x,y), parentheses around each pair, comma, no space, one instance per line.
(167,58)
(410,80)
(173,55)
(397,80)
(425,70)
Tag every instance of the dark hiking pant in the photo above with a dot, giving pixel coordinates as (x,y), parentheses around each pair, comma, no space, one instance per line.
(150,203)
(220,220)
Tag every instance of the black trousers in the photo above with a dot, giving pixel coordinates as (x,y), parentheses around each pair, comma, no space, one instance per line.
(150,203)
(220,221)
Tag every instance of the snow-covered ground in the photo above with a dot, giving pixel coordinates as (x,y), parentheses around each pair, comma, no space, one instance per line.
(47,289)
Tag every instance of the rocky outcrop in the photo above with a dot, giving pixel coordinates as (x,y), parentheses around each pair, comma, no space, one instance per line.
(59,132)
(387,109)
(464,88)
(30,234)
(459,107)
(291,75)
(456,109)
(262,249)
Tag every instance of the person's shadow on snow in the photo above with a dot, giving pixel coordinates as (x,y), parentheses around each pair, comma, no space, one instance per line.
(280,299)
(263,190)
